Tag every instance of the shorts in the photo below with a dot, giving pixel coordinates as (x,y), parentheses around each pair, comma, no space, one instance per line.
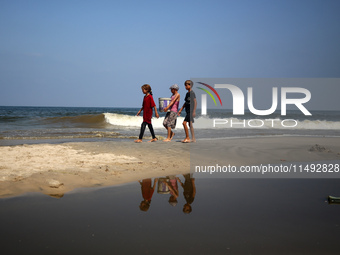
(188,117)
(170,120)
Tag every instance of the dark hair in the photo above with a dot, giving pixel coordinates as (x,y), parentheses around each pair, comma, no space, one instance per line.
(147,87)
(144,206)
(190,81)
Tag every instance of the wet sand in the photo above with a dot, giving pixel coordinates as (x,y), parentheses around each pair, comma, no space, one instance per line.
(229,216)
(56,169)
(264,150)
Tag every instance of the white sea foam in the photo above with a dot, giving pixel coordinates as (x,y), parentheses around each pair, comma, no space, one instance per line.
(134,121)
(208,123)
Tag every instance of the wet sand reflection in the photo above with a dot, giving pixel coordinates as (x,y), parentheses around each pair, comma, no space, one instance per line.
(169,185)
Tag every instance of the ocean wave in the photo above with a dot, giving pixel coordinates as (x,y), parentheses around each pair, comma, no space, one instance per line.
(10,118)
(124,120)
(105,120)
(32,135)
(89,120)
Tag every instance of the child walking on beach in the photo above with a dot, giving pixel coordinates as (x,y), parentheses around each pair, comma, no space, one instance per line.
(147,108)
(147,192)
(171,117)
(190,105)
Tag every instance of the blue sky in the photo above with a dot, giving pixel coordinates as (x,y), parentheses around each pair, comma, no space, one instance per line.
(99,53)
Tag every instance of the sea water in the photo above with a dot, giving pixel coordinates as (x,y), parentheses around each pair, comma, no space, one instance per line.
(55,124)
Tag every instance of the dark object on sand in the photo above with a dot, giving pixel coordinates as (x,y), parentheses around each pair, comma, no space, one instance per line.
(333,200)
(318,148)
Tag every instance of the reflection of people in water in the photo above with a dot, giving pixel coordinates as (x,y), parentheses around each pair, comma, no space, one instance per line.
(173,187)
(189,192)
(147,192)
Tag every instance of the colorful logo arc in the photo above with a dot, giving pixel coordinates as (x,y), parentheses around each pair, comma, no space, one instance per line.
(209,93)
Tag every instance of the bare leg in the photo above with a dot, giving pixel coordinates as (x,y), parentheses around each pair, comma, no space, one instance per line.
(168,139)
(172,135)
(192,132)
(187,137)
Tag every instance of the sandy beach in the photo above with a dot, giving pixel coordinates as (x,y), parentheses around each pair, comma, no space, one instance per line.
(55,169)
(264,150)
